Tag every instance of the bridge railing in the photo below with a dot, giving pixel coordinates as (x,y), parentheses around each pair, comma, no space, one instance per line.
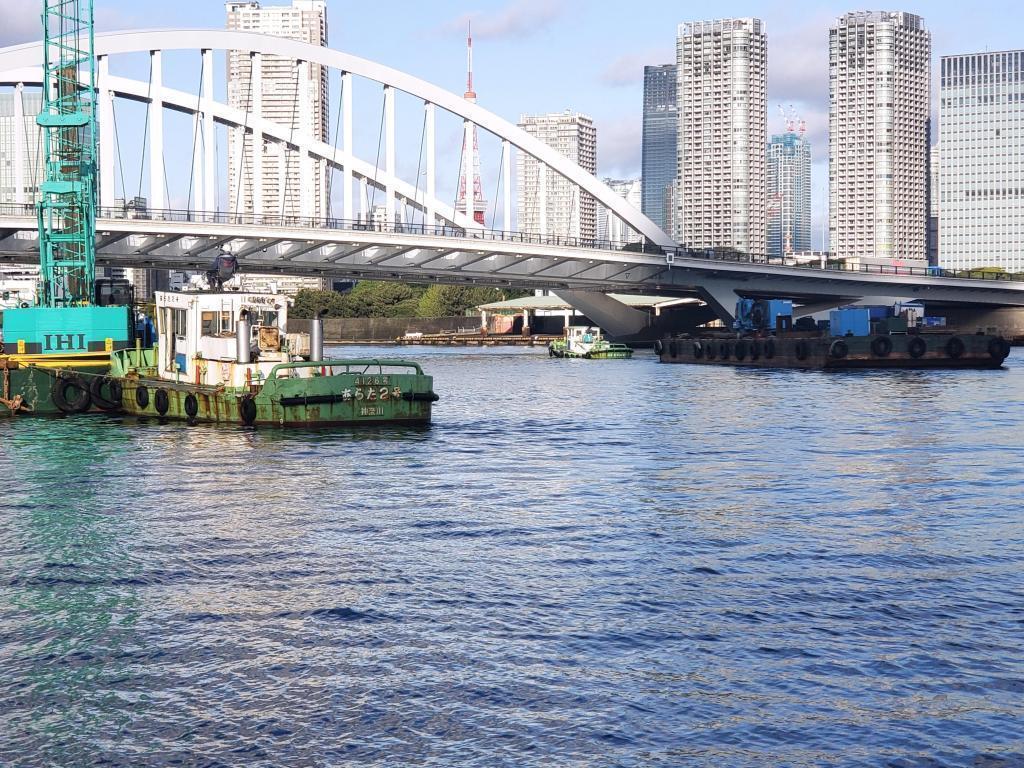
(712,254)
(505,236)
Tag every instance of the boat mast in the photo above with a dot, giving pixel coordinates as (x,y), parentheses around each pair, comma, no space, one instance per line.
(67,205)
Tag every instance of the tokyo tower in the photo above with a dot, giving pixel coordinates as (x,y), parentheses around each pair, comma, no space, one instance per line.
(479,204)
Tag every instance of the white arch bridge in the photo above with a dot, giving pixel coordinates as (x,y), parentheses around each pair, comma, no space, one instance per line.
(336,226)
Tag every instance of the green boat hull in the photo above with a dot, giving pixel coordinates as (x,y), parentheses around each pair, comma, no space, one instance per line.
(31,383)
(367,392)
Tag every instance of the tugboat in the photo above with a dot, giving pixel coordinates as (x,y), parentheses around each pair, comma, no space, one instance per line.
(765,336)
(225,357)
(56,348)
(587,342)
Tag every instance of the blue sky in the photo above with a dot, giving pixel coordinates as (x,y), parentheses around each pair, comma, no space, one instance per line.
(549,55)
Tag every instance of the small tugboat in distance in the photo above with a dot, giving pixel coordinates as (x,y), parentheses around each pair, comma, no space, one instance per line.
(587,342)
(225,357)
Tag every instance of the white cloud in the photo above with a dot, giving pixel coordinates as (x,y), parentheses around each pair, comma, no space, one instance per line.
(519,19)
(628,69)
(21,23)
(618,147)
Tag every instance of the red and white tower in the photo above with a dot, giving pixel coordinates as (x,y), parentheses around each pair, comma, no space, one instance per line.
(471,150)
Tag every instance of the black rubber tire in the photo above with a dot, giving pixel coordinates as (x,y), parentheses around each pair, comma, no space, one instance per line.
(955,348)
(673,349)
(801,351)
(709,353)
(917,347)
(740,350)
(881,346)
(142,397)
(838,349)
(65,385)
(659,347)
(698,350)
(247,411)
(111,401)
(723,351)
(999,348)
(161,402)
(755,350)
(191,405)
(769,349)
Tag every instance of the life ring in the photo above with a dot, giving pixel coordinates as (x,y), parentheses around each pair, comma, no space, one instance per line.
(191,405)
(71,394)
(161,402)
(141,397)
(247,411)
(111,401)
(741,350)
(999,348)
(838,349)
(723,351)
(755,350)
(659,347)
(802,350)
(769,349)
(916,347)
(698,350)
(955,348)
(673,349)
(881,346)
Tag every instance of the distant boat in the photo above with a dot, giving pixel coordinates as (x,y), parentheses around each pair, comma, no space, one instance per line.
(587,342)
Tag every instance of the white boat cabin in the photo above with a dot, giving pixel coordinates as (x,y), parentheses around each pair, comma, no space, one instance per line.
(199,342)
(582,338)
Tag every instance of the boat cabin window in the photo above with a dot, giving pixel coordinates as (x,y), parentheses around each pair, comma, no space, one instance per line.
(266,319)
(217,324)
(179,318)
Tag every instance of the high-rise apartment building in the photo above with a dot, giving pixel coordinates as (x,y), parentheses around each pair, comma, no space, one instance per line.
(879,69)
(789,194)
(660,135)
(18,131)
(932,238)
(273,182)
(612,229)
(981,172)
(722,108)
(549,204)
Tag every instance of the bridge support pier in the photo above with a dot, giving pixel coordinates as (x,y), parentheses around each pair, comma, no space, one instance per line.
(613,316)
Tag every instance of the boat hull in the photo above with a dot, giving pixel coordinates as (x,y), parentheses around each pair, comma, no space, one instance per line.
(930,350)
(31,380)
(341,399)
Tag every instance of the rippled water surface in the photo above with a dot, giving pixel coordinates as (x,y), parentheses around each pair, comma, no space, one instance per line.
(580,563)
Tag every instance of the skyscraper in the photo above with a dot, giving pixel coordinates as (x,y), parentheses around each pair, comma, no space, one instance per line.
(789,194)
(612,229)
(879,65)
(722,108)
(275,182)
(547,203)
(981,179)
(661,132)
(18,131)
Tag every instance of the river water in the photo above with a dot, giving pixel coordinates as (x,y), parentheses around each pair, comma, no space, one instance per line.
(580,563)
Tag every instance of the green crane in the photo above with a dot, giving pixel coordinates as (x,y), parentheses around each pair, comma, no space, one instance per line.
(75,322)
(67,206)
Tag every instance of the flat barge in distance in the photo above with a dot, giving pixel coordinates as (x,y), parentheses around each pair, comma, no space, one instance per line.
(224,357)
(853,338)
